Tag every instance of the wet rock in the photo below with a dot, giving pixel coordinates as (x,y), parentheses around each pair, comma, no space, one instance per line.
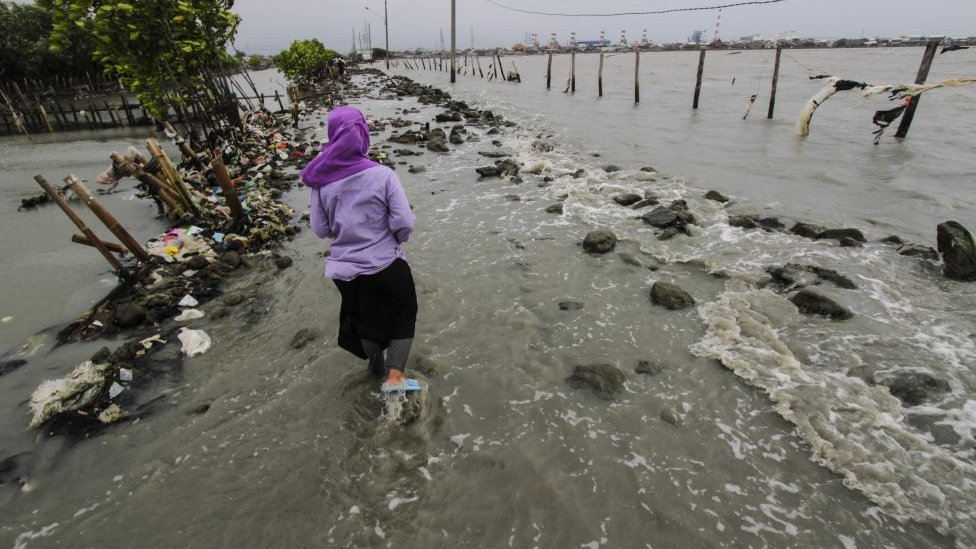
(17,469)
(660,217)
(494,154)
(404,152)
(916,250)
(645,203)
(958,251)
(508,168)
(716,196)
(437,145)
(487,171)
(417,169)
(668,416)
(812,303)
(611,168)
(848,242)
(670,296)
(448,117)
(668,233)
(231,258)
(794,275)
(579,173)
(197,263)
(517,180)
(807,230)
(199,409)
(555,209)
(680,208)
(283,261)
(570,305)
(893,239)
(234,299)
(9,365)
(129,315)
(411,137)
(838,234)
(304,336)
(457,135)
(914,388)
(771,224)
(627,199)
(600,241)
(630,259)
(646,367)
(540,145)
(648,169)
(744,221)
(604,379)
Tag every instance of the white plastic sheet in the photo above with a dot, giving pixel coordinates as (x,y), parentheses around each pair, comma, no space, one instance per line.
(195,342)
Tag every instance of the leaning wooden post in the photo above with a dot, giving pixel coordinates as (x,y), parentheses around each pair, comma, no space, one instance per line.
(549,71)
(772,92)
(47,122)
(101,213)
(155,186)
(701,70)
(116,264)
(599,78)
(572,72)
(185,147)
(230,193)
(500,67)
(637,76)
(110,246)
(923,73)
(481,72)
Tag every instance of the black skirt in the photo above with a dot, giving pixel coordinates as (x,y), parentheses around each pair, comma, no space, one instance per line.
(379,307)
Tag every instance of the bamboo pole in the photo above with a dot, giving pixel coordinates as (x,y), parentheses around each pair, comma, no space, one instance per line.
(101,213)
(701,70)
(110,246)
(923,73)
(230,193)
(57,198)
(480,72)
(47,122)
(185,147)
(599,78)
(128,113)
(154,185)
(176,182)
(278,99)
(636,76)
(501,69)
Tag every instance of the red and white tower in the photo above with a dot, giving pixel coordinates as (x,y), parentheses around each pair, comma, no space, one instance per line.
(623,38)
(572,39)
(603,38)
(718,25)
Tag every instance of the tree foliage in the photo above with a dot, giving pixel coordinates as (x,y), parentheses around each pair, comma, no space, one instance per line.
(24,46)
(164,51)
(305,61)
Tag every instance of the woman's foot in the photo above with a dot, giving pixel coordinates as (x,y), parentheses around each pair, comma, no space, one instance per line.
(396,380)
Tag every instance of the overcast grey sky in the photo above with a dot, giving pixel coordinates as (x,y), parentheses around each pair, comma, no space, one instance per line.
(269,26)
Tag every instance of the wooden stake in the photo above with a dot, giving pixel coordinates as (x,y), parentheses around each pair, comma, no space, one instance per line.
(701,70)
(599,78)
(176,182)
(278,99)
(572,72)
(110,246)
(501,69)
(44,116)
(637,76)
(230,193)
(772,92)
(154,185)
(98,244)
(185,147)
(549,71)
(923,73)
(101,213)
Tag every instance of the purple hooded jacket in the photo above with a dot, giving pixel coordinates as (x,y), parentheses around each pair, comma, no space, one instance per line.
(357,202)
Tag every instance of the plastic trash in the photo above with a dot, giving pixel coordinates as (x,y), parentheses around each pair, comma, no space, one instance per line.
(189,314)
(148,342)
(195,342)
(125,374)
(188,301)
(115,390)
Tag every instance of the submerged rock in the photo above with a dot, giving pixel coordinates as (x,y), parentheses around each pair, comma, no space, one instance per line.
(600,241)
(807,230)
(914,388)
(555,209)
(670,296)
(812,303)
(838,234)
(627,199)
(744,221)
(604,379)
(570,305)
(716,196)
(917,250)
(958,251)
(303,337)
(647,367)
(487,171)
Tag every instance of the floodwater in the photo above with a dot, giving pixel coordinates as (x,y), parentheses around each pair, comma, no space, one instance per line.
(763,427)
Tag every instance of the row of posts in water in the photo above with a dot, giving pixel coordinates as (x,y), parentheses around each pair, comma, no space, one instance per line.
(496,69)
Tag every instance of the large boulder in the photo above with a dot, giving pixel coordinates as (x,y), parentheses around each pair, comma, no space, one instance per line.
(604,379)
(660,217)
(958,251)
(812,303)
(600,241)
(627,199)
(839,234)
(914,388)
(670,296)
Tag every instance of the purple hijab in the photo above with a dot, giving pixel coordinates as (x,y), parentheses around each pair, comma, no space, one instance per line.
(346,152)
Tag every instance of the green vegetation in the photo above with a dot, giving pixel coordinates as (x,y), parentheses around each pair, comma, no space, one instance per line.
(167,52)
(379,53)
(305,61)
(25,51)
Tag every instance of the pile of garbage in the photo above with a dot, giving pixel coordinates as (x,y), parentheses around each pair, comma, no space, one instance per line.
(216,226)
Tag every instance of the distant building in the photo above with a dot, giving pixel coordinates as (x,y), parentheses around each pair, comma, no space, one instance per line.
(697,37)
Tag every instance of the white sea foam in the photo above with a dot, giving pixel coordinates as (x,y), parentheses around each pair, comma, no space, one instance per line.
(853,428)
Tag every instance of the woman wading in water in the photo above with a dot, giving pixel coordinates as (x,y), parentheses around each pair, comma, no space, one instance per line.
(361,205)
